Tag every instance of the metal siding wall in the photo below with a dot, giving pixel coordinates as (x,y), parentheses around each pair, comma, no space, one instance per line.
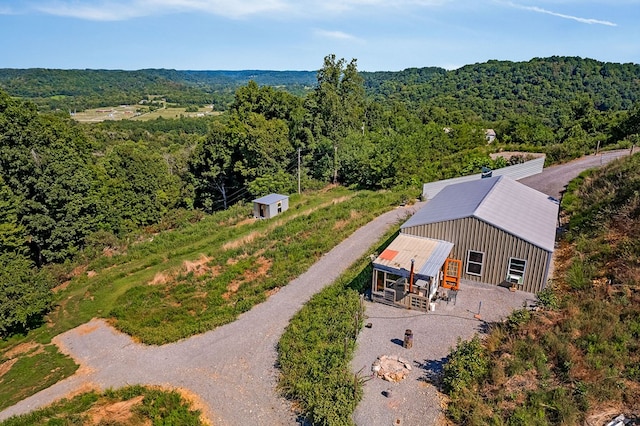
(498,247)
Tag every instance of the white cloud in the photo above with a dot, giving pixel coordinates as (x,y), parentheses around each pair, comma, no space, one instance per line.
(118,10)
(564,16)
(115,10)
(338,35)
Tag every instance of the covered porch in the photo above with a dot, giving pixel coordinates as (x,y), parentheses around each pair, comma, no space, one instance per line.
(409,271)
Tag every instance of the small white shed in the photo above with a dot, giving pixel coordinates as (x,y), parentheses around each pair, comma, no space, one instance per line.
(270,205)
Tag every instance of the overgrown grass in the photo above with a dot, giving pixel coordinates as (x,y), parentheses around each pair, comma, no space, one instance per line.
(316,348)
(190,303)
(37,368)
(579,356)
(239,277)
(147,406)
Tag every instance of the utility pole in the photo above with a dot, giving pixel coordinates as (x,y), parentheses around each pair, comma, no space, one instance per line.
(298,170)
(335,164)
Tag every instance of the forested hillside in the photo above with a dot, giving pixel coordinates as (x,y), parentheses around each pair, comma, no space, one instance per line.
(72,190)
(80,89)
(492,91)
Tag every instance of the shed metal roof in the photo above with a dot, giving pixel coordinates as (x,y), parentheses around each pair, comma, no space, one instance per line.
(516,172)
(270,199)
(499,201)
(429,255)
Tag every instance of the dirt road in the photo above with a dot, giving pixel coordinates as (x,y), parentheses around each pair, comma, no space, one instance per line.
(231,369)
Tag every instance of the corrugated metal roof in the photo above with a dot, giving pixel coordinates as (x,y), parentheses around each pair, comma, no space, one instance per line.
(499,201)
(516,172)
(270,199)
(429,255)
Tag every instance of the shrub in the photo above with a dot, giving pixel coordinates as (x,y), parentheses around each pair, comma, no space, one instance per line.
(466,367)
(548,299)
(25,294)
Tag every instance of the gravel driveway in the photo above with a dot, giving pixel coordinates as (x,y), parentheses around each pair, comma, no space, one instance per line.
(231,369)
(553,180)
(414,401)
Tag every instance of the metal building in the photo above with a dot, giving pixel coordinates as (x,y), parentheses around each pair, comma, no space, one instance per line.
(501,230)
(270,205)
(516,172)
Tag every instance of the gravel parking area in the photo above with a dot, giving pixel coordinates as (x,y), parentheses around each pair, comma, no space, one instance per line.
(415,401)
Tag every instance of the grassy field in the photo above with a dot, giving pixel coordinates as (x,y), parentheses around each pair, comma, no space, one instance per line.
(129,406)
(183,282)
(137,112)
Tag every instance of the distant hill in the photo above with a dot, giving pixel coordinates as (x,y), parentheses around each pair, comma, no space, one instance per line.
(538,87)
(66,89)
(492,91)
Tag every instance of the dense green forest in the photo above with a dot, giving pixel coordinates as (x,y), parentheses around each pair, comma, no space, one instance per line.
(70,190)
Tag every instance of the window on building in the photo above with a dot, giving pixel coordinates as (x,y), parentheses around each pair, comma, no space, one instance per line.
(474,262)
(516,270)
(390,279)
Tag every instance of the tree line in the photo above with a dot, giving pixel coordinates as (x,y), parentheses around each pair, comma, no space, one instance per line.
(68,189)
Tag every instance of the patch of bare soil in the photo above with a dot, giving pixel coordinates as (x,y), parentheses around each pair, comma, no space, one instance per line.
(115,413)
(74,273)
(196,403)
(6,366)
(262,269)
(85,329)
(197,267)
(273,291)
(159,279)
(242,241)
(20,349)
(61,286)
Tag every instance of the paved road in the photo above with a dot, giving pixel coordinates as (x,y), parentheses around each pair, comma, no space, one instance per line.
(553,180)
(231,369)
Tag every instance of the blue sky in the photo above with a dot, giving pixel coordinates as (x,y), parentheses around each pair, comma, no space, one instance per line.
(383,35)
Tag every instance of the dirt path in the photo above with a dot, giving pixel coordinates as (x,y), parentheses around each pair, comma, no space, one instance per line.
(231,369)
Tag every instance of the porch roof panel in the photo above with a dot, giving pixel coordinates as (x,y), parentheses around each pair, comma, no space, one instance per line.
(429,255)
